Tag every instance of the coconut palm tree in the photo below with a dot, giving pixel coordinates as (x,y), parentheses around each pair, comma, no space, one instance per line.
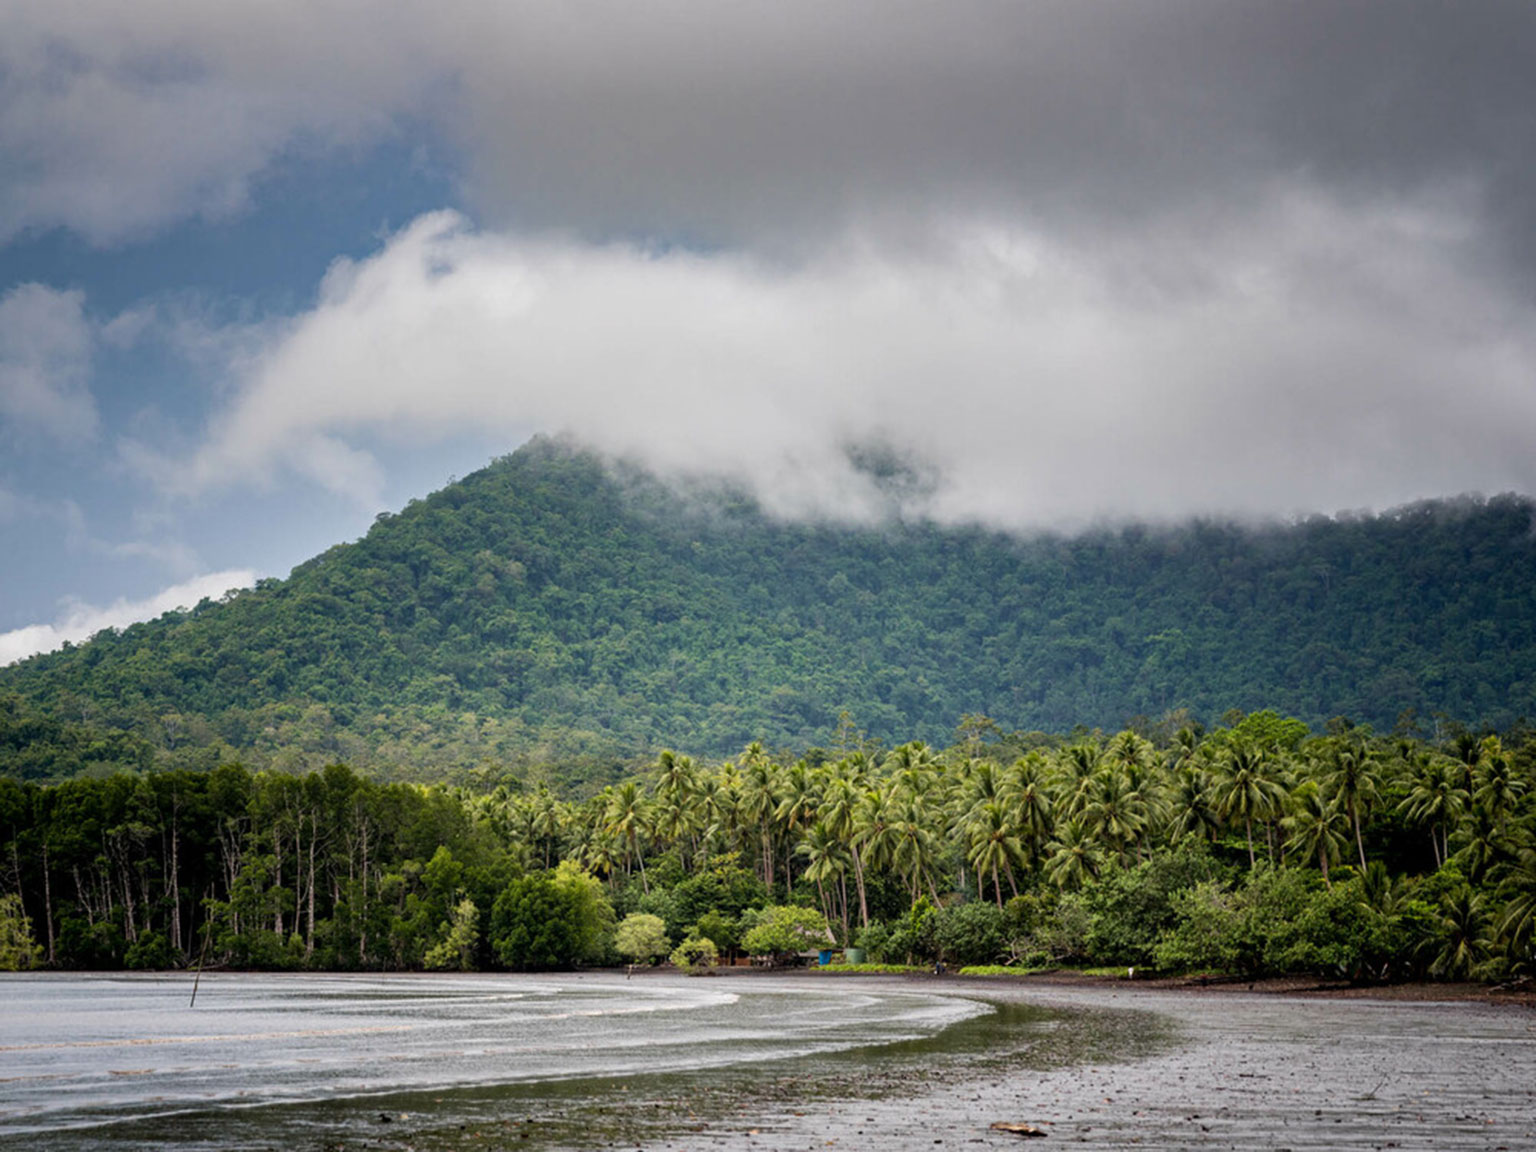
(914,767)
(1074,856)
(1350,774)
(1247,789)
(1499,788)
(838,809)
(1465,947)
(627,819)
(1191,803)
(800,796)
(1435,801)
(760,801)
(1479,844)
(993,845)
(1075,770)
(1114,812)
(827,859)
(916,846)
(1316,827)
(1028,797)
(1517,924)
(875,827)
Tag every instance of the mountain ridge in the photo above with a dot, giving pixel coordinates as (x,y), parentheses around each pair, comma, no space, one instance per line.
(555,608)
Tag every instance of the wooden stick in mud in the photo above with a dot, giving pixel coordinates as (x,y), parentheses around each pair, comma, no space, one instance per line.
(201,956)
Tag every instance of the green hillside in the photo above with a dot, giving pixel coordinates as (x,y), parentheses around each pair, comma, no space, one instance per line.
(546,609)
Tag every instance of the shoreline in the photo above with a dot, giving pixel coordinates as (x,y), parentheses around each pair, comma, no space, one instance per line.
(1297,987)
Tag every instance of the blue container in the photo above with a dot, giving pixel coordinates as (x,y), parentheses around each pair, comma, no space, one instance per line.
(825,958)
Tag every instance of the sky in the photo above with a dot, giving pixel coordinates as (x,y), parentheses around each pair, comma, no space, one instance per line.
(269,269)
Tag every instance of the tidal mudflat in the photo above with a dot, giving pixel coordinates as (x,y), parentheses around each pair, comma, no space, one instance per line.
(312,1063)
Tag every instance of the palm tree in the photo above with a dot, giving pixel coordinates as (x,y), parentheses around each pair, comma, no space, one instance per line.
(993,845)
(1499,788)
(914,767)
(1517,924)
(1480,843)
(916,846)
(1247,789)
(1076,769)
(1465,947)
(627,820)
(828,858)
(1192,807)
(1075,856)
(801,795)
(759,802)
(838,810)
(1436,800)
(1314,827)
(1027,794)
(1114,812)
(1351,779)
(875,832)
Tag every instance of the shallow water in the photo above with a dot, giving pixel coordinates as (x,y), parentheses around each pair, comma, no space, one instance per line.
(87,1060)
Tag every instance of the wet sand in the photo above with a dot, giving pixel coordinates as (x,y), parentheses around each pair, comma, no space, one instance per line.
(1187,1069)
(1094,1064)
(1240,1070)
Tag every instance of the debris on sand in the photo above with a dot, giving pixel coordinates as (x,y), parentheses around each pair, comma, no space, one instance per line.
(1016,1129)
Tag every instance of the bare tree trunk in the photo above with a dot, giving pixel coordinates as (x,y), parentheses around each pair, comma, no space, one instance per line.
(309,933)
(277,881)
(174,888)
(48,900)
(362,932)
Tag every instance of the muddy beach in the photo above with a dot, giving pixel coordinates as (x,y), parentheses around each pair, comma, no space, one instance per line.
(1234,1070)
(1122,1066)
(799,1061)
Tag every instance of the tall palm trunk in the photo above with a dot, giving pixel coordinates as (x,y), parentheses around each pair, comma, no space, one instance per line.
(858,880)
(1354,816)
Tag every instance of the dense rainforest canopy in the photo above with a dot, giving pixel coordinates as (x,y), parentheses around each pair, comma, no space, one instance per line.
(1251,849)
(551,609)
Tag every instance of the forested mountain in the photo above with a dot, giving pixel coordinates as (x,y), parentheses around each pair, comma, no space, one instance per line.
(551,609)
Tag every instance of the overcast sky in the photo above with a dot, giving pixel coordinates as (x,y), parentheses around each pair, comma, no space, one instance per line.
(268,269)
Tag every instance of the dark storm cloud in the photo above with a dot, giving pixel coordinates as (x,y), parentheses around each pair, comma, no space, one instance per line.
(732,120)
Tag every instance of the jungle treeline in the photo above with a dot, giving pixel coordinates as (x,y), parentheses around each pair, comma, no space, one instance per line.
(554,609)
(1257,847)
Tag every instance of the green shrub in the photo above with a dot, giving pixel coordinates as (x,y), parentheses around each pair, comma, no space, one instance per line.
(696,954)
(535,923)
(642,938)
(785,928)
(970,934)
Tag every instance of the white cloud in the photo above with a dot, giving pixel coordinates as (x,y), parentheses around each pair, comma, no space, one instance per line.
(45,359)
(81,621)
(1309,355)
